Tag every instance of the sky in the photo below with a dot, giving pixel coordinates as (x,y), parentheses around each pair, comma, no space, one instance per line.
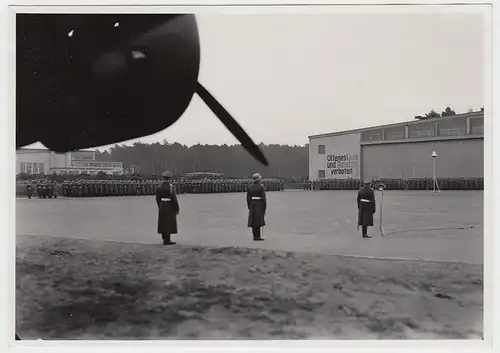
(285,77)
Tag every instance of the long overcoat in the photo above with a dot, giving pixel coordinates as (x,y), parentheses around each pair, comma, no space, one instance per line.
(366,209)
(257,204)
(168,208)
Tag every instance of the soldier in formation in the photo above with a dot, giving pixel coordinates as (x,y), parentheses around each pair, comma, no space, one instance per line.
(396,184)
(29,189)
(98,188)
(44,189)
(101,188)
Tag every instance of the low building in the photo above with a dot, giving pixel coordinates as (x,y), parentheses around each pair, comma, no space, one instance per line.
(202,175)
(43,161)
(402,150)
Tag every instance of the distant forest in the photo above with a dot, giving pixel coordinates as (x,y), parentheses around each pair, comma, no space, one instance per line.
(142,158)
(285,161)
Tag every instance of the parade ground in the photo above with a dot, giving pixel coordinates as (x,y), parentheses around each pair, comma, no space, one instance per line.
(418,224)
(94,268)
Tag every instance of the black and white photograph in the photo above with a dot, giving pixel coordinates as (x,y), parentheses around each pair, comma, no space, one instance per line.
(250,173)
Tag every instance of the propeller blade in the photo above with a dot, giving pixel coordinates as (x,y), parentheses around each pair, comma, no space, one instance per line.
(231,124)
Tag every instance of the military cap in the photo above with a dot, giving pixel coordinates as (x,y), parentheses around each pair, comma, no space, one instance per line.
(167,174)
(256,176)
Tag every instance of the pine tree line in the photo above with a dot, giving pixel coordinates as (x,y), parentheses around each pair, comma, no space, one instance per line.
(142,158)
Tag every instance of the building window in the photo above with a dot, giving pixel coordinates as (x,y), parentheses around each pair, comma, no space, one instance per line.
(427,129)
(321,173)
(79,155)
(41,168)
(23,167)
(451,132)
(29,169)
(452,127)
(372,135)
(80,164)
(321,149)
(394,133)
(477,126)
(35,168)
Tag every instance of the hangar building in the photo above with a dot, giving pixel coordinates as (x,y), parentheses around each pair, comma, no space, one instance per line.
(402,150)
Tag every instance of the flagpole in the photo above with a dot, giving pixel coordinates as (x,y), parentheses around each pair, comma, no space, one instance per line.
(381,189)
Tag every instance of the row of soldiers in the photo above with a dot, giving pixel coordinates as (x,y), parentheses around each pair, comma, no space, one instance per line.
(43,189)
(397,184)
(225,185)
(95,188)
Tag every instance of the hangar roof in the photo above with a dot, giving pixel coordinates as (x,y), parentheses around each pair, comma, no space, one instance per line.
(403,123)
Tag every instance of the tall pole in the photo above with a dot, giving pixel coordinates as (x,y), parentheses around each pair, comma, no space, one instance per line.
(435,184)
(433,174)
(381,189)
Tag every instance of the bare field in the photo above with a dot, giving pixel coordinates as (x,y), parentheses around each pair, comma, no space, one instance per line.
(80,289)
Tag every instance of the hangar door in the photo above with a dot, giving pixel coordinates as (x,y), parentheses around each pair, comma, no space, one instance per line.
(456,158)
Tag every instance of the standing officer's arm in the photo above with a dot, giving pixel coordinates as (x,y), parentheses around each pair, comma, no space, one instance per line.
(158,196)
(175,203)
(264,200)
(359,198)
(373,201)
(249,197)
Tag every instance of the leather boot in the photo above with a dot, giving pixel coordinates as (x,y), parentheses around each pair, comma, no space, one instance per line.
(166,240)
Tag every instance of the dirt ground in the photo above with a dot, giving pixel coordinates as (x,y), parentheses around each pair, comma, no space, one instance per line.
(82,289)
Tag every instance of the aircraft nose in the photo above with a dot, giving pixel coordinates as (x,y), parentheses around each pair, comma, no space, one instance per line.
(110,64)
(116,63)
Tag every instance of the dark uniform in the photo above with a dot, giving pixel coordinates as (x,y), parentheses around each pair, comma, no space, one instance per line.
(257,204)
(168,209)
(29,189)
(366,208)
(55,190)
(45,190)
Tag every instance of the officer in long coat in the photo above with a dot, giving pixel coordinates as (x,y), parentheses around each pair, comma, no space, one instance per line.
(257,204)
(366,208)
(168,209)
